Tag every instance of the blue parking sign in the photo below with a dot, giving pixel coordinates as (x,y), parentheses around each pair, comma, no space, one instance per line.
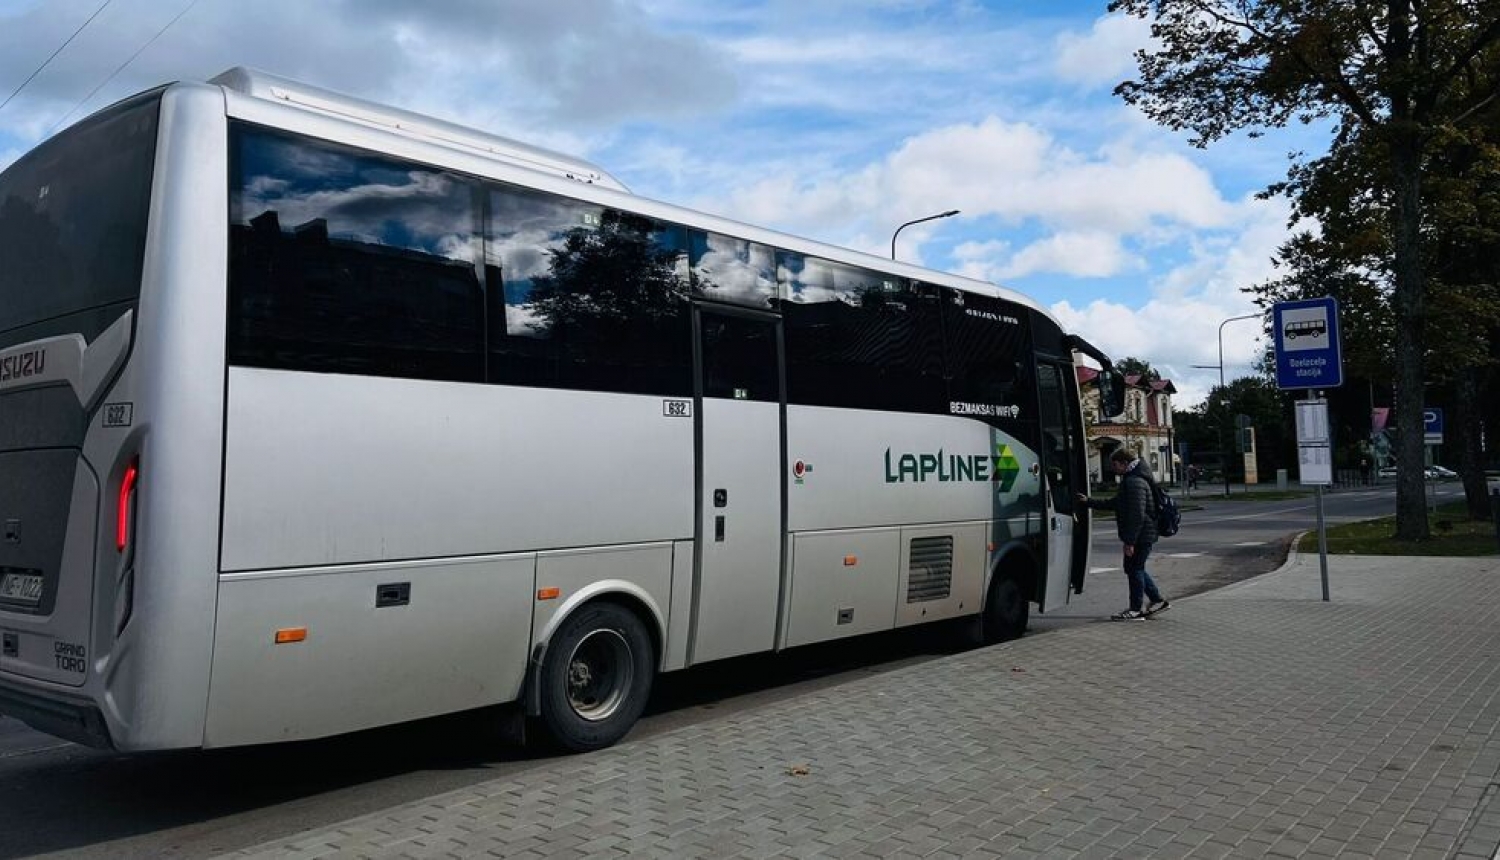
(1432,425)
(1306,337)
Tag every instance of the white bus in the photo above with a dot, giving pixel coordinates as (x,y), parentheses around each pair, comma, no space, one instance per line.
(318,415)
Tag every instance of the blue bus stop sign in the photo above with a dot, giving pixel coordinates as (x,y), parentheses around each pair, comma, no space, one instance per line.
(1306,335)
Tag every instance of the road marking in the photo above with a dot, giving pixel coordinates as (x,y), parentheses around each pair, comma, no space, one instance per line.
(1183,554)
(1252,543)
(1444,493)
(1102,569)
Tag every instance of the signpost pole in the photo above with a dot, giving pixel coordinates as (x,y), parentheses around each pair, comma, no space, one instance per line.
(1322,528)
(1322,545)
(1315,458)
(1432,435)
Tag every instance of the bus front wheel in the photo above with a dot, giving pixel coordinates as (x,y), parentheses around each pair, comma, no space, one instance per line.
(1007,610)
(596,677)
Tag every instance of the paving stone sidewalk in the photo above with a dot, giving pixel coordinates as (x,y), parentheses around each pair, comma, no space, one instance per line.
(1252,721)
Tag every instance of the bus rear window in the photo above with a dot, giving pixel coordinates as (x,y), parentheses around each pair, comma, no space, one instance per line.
(73,218)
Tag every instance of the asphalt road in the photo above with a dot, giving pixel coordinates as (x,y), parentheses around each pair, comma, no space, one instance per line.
(1221,542)
(58,797)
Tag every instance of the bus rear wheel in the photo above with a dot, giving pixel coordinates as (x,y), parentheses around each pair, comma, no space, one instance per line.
(596,677)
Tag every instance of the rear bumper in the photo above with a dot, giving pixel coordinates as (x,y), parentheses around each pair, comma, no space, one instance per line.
(77,720)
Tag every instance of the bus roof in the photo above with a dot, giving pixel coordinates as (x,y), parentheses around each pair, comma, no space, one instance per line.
(261,85)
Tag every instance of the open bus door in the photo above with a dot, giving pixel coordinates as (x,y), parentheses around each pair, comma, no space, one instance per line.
(1062,460)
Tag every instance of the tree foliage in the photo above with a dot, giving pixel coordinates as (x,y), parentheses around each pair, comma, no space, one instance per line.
(1399,79)
(614,276)
(1132,366)
(1210,425)
(1349,259)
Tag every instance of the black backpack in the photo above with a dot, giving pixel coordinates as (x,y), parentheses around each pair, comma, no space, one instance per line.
(1168,517)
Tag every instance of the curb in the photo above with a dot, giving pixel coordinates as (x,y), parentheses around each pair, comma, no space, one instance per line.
(1293,559)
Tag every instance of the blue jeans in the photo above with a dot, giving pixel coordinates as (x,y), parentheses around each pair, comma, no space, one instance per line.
(1141,582)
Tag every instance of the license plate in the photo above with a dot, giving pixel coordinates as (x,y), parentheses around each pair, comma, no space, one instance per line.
(21,588)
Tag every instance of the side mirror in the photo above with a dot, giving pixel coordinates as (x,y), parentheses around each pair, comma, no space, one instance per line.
(1111,393)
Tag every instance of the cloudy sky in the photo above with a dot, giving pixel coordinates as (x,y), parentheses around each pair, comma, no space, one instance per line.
(834,119)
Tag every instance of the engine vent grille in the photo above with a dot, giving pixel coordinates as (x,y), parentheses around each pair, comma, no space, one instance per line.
(929,575)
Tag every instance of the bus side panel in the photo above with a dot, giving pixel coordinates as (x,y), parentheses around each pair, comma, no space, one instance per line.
(680,613)
(333,469)
(890,468)
(843,584)
(154,676)
(383,644)
(934,477)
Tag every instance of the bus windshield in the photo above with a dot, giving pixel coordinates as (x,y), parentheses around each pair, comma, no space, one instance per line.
(73,222)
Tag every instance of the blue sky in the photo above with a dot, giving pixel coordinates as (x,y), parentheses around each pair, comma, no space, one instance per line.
(834,119)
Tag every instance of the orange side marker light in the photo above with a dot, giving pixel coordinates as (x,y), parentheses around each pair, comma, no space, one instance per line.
(851,560)
(548,593)
(290,634)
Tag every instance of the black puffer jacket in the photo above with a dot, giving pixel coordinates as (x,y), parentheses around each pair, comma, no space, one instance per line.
(1135,510)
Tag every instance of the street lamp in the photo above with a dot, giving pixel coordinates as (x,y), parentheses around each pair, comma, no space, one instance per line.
(1220,365)
(1223,458)
(949,214)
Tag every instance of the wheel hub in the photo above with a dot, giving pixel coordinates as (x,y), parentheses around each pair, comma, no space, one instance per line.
(600,671)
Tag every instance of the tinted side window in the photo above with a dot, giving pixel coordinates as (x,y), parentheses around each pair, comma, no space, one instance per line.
(1046,336)
(860,339)
(585,297)
(343,261)
(990,361)
(740,358)
(726,269)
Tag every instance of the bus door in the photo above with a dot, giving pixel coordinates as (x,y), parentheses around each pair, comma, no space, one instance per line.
(741,492)
(1062,458)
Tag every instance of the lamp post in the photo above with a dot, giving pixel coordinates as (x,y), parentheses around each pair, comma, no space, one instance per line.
(950,213)
(1223,459)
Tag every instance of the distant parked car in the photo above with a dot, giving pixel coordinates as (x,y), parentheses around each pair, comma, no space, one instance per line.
(1434,473)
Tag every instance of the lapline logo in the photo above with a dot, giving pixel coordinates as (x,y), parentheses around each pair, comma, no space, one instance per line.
(1001,468)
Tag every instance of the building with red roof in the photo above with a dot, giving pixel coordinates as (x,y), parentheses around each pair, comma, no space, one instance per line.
(1145,425)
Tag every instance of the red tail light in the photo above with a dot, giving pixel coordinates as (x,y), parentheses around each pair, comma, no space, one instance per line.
(122,523)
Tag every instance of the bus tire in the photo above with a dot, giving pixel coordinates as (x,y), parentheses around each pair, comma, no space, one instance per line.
(1007,610)
(596,677)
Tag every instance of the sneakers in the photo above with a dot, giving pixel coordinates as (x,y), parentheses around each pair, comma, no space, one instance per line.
(1137,615)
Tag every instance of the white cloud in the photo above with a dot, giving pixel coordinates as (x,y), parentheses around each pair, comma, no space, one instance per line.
(981,260)
(1013,172)
(1172,336)
(1080,255)
(1105,55)
(1083,255)
(574,64)
(1174,322)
